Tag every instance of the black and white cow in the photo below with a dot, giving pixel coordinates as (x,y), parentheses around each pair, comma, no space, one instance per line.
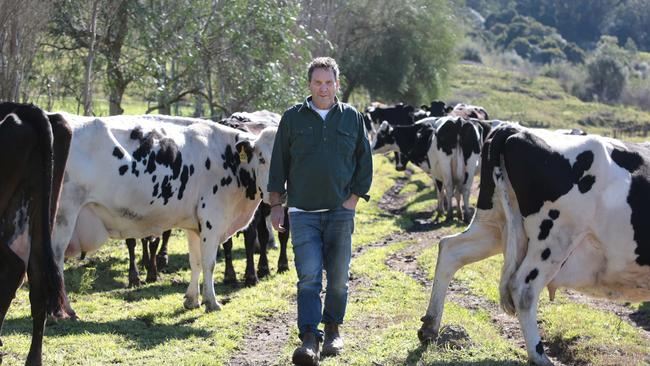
(33,152)
(395,115)
(136,176)
(447,148)
(566,211)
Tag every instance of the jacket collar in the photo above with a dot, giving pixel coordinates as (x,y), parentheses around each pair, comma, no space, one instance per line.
(307,105)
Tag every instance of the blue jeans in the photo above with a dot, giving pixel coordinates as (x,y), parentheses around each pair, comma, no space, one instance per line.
(322,240)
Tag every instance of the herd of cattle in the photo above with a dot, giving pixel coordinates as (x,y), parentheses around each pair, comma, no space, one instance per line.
(565,208)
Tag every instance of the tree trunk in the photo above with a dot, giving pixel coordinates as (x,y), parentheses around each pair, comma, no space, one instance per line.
(116,80)
(87,88)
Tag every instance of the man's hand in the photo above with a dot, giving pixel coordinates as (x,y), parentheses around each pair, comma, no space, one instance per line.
(351,203)
(277,212)
(277,218)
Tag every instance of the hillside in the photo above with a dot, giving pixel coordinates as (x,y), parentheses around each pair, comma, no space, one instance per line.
(535,101)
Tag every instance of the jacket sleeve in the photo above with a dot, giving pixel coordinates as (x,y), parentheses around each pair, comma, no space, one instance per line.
(280,159)
(362,177)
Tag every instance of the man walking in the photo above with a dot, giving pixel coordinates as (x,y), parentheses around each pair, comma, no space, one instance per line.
(322,154)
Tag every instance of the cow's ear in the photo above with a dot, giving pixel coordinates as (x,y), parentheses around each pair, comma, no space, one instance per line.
(245,150)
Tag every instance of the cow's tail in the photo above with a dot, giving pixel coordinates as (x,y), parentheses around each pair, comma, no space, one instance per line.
(52,278)
(515,239)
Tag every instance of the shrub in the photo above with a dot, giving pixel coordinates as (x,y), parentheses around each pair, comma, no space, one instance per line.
(470,52)
(606,77)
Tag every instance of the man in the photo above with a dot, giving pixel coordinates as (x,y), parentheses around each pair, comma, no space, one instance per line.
(322,154)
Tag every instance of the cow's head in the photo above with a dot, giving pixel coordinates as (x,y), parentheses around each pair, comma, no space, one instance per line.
(255,158)
(384,140)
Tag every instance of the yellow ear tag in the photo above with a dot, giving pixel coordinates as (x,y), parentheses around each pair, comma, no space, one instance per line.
(242,156)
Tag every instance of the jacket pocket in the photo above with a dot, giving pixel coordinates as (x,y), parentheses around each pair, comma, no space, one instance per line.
(346,141)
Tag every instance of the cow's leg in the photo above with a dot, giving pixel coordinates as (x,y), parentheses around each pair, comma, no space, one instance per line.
(283,263)
(449,195)
(38,304)
(457,195)
(12,271)
(144,262)
(162,258)
(209,245)
(229,277)
(152,269)
(192,293)
(542,262)
(134,275)
(250,277)
(440,209)
(263,236)
(479,241)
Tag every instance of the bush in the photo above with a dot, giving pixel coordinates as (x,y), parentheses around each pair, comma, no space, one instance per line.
(574,53)
(470,52)
(545,56)
(606,77)
(521,46)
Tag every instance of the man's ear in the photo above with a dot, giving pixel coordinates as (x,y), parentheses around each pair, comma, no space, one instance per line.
(245,150)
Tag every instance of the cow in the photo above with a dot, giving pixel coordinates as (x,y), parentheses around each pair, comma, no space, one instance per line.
(397,115)
(446,148)
(469,111)
(566,211)
(34,148)
(136,176)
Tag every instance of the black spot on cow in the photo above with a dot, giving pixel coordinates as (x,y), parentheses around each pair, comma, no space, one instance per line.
(545,229)
(582,164)
(123,169)
(546,253)
(204,240)
(199,227)
(136,133)
(486,185)
(540,348)
(532,275)
(153,178)
(249,182)
(466,177)
(207,163)
(203,205)
(230,160)
(134,169)
(630,161)
(554,214)
(553,176)
(226,181)
(191,169)
(585,183)
(208,225)
(215,188)
(169,156)
(151,163)
(155,190)
(447,135)
(184,178)
(118,153)
(636,161)
(470,142)
(146,144)
(166,191)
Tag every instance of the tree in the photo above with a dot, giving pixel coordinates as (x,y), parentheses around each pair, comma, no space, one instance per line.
(22,24)
(398,51)
(629,20)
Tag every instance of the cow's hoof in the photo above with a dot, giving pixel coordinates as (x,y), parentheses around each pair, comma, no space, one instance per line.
(210,307)
(540,360)
(162,261)
(151,278)
(134,282)
(230,280)
(263,272)
(190,304)
(283,268)
(251,281)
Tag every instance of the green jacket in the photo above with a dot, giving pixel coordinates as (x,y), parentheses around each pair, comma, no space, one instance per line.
(322,162)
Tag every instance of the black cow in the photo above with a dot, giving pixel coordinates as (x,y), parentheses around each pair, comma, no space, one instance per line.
(33,152)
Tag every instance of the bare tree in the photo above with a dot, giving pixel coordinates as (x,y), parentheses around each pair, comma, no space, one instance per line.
(22,22)
(92,32)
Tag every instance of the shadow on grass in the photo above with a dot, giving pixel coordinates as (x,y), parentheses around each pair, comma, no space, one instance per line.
(143,331)
(641,317)
(414,358)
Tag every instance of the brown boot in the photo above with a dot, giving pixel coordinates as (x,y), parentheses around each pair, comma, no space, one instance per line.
(307,354)
(333,344)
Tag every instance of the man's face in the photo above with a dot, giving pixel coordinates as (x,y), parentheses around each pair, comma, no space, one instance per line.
(323,87)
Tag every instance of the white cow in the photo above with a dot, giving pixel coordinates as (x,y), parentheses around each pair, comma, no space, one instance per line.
(566,211)
(136,176)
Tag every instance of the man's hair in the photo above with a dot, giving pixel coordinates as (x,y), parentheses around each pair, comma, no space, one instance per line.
(326,63)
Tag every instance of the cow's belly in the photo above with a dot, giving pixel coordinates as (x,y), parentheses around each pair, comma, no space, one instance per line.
(122,223)
(591,270)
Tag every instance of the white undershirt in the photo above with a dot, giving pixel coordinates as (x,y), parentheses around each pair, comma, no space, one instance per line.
(322,113)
